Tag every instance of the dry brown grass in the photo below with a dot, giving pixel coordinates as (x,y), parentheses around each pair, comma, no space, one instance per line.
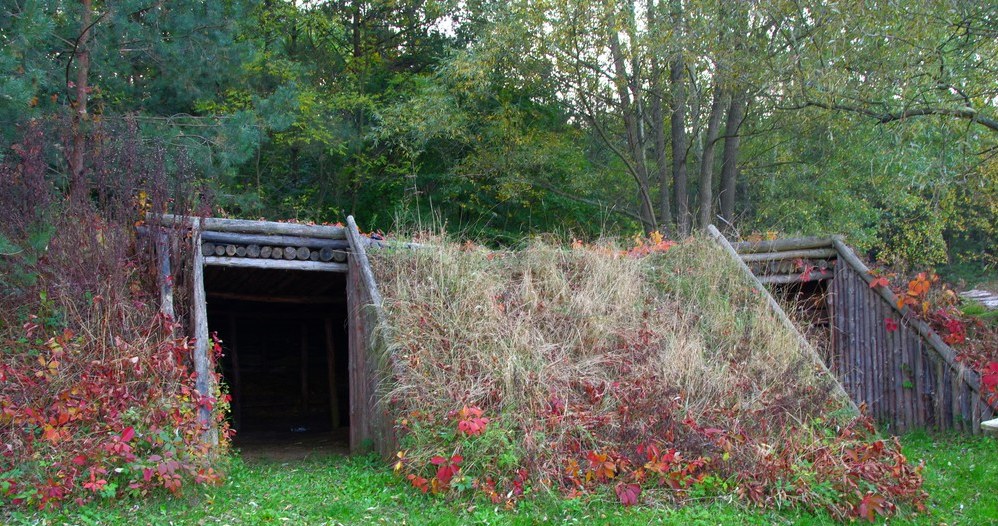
(665,376)
(517,333)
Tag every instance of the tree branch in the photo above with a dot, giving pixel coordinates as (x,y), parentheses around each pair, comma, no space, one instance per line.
(883,118)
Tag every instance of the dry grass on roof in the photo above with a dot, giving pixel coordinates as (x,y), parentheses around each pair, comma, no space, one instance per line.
(583,353)
(511,330)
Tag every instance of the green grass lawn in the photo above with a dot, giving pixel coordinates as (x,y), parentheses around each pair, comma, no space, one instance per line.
(961,478)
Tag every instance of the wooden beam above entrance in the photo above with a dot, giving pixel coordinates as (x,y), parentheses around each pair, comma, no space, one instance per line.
(276,264)
(263,298)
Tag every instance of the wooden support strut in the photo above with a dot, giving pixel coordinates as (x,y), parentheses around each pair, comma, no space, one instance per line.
(164,276)
(778,311)
(935,342)
(202,361)
(334,399)
(237,402)
(304,370)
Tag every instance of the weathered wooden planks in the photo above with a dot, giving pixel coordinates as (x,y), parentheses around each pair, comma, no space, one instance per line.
(371,424)
(907,377)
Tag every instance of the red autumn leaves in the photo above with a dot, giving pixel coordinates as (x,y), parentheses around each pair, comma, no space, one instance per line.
(989,380)
(470,421)
(972,338)
(447,468)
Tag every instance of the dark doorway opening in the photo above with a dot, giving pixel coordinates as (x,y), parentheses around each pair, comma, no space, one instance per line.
(284,343)
(807,303)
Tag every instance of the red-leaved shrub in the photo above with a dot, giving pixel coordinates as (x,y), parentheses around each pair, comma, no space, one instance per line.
(97,396)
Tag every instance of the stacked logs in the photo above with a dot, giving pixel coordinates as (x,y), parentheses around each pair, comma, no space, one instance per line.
(227,244)
(789,260)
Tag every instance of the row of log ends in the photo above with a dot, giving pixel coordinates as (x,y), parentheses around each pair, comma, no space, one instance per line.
(783,261)
(301,253)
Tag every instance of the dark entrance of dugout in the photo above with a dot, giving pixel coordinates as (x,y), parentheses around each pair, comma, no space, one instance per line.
(284,359)
(297,309)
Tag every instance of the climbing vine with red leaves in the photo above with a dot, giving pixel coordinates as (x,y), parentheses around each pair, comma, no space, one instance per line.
(86,419)
(97,391)
(926,297)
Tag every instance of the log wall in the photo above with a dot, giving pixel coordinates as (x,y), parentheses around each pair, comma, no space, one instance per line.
(907,378)
(904,378)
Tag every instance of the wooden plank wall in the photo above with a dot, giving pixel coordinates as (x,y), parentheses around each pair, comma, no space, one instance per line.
(372,426)
(904,382)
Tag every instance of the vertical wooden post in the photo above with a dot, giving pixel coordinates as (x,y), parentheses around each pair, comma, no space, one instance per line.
(304,368)
(937,395)
(355,364)
(237,386)
(334,399)
(164,276)
(202,361)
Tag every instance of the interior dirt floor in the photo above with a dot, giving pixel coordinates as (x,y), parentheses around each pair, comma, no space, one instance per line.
(289,446)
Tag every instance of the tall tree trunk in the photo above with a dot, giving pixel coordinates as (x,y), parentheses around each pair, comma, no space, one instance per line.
(707,160)
(635,142)
(82,88)
(729,169)
(658,130)
(680,142)
(661,164)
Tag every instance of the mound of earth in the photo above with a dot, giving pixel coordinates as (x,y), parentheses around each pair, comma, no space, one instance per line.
(653,376)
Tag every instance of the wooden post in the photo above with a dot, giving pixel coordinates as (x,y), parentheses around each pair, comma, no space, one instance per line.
(304,368)
(937,395)
(237,386)
(334,399)
(365,370)
(355,364)
(202,361)
(164,276)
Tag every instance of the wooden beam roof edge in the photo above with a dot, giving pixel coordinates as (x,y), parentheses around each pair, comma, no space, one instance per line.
(247,226)
(781,245)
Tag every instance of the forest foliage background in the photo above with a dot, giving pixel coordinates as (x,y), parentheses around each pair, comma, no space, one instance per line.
(873,119)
